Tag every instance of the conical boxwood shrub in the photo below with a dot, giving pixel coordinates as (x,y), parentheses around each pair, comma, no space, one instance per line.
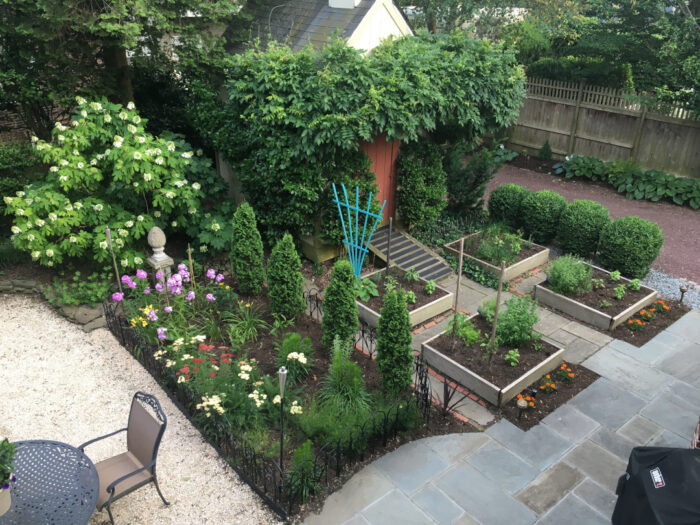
(285,282)
(394,356)
(246,251)
(339,306)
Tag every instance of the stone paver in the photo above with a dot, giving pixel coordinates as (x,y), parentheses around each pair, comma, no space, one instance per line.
(572,510)
(607,403)
(357,519)
(673,413)
(437,505)
(685,363)
(579,350)
(503,467)
(395,507)
(597,463)
(597,497)
(670,439)
(551,486)
(589,334)
(467,407)
(613,442)
(453,447)
(411,475)
(549,322)
(541,446)
(571,423)
(563,337)
(640,430)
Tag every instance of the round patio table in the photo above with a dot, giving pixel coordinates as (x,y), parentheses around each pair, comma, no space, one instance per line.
(56,484)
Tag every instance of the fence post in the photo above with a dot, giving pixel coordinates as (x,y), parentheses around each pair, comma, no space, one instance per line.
(574,125)
(638,133)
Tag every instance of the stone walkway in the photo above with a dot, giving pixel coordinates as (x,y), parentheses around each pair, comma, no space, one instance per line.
(563,470)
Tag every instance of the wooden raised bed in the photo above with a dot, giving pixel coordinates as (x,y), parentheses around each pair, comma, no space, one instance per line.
(588,314)
(418,315)
(514,270)
(494,394)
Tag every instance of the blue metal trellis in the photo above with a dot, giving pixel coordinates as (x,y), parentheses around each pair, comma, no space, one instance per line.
(357,247)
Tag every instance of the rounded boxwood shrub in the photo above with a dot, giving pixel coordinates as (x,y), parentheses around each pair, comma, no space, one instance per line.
(569,275)
(540,212)
(580,226)
(505,202)
(630,245)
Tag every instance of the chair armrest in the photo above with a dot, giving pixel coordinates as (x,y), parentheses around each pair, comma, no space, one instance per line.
(82,447)
(111,486)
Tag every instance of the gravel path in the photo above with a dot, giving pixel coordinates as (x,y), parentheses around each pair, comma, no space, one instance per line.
(61,384)
(680,255)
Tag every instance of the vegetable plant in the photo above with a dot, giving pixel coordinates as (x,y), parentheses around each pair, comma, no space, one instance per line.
(411,275)
(464,329)
(512,357)
(634,285)
(365,289)
(515,324)
(410,297)
(619,292)
(430,287)
(569,275)
(614,276)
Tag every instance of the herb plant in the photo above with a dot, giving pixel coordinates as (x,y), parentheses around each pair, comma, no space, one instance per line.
(464,329)
(411,275)
(605,303)
(634,285)
(411,297)
(512,357)
(614,276)
(619,292)
(515,324)
(569,275)
(430,287)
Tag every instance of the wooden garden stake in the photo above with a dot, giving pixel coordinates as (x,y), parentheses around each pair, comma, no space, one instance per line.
(189,257)
(492,343)
(459,282)
(388,246)
(114,259)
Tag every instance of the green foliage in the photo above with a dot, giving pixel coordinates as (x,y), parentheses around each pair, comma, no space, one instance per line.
(447,228)
(505,204)
(247,251)
(214,231)
(7,457)
(615,275)
(390,283)
(343,388)
(411,275)
(605,304)
(595,71)
(243,323)
(512,357)
(106,170)
(411,297)
(498,247)
(487,309)
(619,292)
(545,152)
(630,245)
(10,255)
(540,214)
(569,276)
(597,284)
(634,285)
(365,289)
(394,356)
(18,167)
(285,282)
(473,271)
(93,290)
(304,479)
(461,326)
(430,287)
(578,166)
(292,120)
(339,306)
(515,324)
(421,183)
(580,225)
(296,354)
(466,184)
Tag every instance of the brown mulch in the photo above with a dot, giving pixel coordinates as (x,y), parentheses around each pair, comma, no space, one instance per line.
(546,403)
(471,245)
(653,327)
(528,162)
(595,296)
(498,372)
(417,287)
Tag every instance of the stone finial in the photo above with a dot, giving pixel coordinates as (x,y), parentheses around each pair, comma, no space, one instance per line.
(156,240)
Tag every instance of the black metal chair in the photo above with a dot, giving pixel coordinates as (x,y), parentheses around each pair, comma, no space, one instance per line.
(126,472)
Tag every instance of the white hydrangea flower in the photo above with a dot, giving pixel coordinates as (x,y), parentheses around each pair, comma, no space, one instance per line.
(35,138)
(61,138)
(173,224)
(75,123)
(196,185)
(69,207)
(156,214)
(138,260)
(53,216)
(119,243)
(117,144)
(158,151)
(76,152)
(122,232)
(136,119)
(77,205)
(170,194)
(124,262)
(49,252)
(35,255)
(83,113)
(80,100)
(141,139)
(136,184)
(97,207)
(30,237)
(16,229)
(103,245)
(139,218)
(179,183)
(130,105)
(129,224)
(8,200)
(171,146)
(19,211)
(50,263)
(108,117)
(107,151)
(186,155)
(73,239)
(80,165)
(64,162)
(203,248)
(215,226)
(159,160)
(39,222)
(137,155)
(131,128)
(54,169)
(96,106)
(40,146)
(123,115)
(192,211)
(93,162)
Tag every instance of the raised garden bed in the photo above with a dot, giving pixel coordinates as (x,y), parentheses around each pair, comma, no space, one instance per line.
(587,307)
(426,306)
(498,382)
(530,257)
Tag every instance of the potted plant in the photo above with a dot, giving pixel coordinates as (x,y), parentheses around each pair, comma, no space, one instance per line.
(7,456)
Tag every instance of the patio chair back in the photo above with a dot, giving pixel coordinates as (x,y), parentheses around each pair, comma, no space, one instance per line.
(695,440)
(144,429)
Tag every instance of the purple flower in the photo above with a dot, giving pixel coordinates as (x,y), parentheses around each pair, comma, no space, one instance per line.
(132,284)
(190,295)
(210,297)
(141,274)
(181,267)
(152,315)
(5,486)
(161,333)
(211,273)
(219,277)
(117,296)
(147,290)
(159,287)
(168,309)
(126,279)
(159,274)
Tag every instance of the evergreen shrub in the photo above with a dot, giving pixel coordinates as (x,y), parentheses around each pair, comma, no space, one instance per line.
(540,215)
(630,245)
(394,356)
(286,284)
(580,226)
(247,251)
(505,204)
(339,305)
(421,183)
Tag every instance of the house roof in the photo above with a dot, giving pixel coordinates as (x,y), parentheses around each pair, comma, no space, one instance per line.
(302,22)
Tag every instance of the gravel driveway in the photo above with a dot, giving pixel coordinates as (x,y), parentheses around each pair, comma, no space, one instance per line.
(61,384)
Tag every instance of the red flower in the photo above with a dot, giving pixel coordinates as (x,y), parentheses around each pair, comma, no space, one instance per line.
(211,374)
(196,369)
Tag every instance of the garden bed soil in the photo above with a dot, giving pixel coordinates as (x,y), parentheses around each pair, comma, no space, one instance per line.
(546,403)
(499,373)
(471,244)
(653,327)
(417,287)
(532,163)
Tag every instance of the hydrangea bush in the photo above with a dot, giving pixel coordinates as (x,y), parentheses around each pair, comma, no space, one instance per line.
(105,170)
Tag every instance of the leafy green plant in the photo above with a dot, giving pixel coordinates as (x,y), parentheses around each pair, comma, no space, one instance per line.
(247,251)
(545,152)
(279,324)
(488,309)
(630,245)
(343,388)
(339,306)
(615,276)
(390,283)
(505,204)
(500,247)
(421,183)
(579,166)
(569,275)
(512,357)
(365,289)
(605,304)
(7,457)
(597,284)
(92,290)
(430,287)
(304,478)
(296,354)
(580,226)
(411,297)
(464,329)
(394,355)
(540,214)
(619,292)
(244,324)
(515,324)
(285,282)
(634,285)
(411,275)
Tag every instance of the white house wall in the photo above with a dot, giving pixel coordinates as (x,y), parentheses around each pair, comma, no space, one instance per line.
(382,20)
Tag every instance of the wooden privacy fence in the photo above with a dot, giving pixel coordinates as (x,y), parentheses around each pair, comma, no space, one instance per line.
(604,123)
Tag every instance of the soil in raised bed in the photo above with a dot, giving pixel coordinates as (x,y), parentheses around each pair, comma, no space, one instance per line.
(653,327)
(499,372)
(472,244)
(546,403)
(417,287)
(595,296)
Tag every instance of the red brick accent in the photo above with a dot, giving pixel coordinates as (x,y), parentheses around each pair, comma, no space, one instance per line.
(482,403)
(536,270)
(473,397)
(418,330)
(429,325)
(516,292)
(464,311)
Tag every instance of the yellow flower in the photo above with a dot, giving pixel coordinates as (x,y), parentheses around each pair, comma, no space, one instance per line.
(227,287)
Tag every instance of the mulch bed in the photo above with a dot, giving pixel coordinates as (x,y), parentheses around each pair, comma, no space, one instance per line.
(595,296)
(546,403)
(499,372)
(417,287)
(528,162)
(472,244)
(653,327)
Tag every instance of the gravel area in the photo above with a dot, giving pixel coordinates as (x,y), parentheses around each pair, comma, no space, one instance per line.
(61,384)
(669,287)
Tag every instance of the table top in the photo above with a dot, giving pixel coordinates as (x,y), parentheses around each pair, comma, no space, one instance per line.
(56,483)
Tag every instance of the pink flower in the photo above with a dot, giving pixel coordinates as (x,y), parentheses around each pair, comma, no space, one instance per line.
(219,277)
(190,295)
(152,315)
(117,296)
(132,284)
(168,309)
(141,274)
(159,274)
(159,287)
(161,333)
(210,297)
(146,291)
(211,273)
(126,279)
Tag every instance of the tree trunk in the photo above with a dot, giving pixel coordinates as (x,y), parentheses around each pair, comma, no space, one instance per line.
(118,66)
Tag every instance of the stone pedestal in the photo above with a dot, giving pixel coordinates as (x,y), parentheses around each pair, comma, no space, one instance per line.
(159,261)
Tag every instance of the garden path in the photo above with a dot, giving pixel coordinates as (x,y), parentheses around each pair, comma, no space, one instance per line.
(563,470)
(680,255)
(61,384)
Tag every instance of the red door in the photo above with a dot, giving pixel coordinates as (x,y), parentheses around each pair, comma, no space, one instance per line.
(383,155)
